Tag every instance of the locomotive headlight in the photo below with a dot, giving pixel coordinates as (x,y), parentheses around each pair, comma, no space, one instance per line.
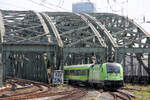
(106,78)
(121,77)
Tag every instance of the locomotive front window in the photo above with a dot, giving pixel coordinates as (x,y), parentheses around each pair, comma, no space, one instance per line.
(112,68)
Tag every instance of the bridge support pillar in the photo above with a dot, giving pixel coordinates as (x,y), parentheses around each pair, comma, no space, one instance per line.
(124,63)
(118,56)
(1,71)
(4,67)
(131,63)
(148,60)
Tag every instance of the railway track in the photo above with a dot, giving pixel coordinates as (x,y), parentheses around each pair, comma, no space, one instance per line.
(120,95)
(20,89)
(135,89)
(74,95)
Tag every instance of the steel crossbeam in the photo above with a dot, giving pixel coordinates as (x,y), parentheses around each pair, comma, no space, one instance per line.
(102,42)
(114,44)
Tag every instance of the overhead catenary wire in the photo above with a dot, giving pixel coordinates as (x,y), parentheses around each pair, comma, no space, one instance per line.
(117,4)
(60,3)
(60,7)
(49,7)
(40,4)
(16,6)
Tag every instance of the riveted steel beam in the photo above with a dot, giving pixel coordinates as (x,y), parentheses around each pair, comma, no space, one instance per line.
(2,28)
(114,44)
(44,26)
(28,47)
(60,42)
(101,41)
(129,36)
(141,29)
(84,50)
(84,39)
(71,31)
(133,50)
(25,27)
(81,36)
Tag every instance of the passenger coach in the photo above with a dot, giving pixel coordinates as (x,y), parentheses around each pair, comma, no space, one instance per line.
(106,74)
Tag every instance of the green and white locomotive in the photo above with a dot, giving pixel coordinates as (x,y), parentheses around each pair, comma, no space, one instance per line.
(106,74)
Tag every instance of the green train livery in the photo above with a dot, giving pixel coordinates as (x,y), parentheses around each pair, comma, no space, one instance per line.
(106,74)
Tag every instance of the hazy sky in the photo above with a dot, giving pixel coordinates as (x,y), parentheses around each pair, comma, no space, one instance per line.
(135,9)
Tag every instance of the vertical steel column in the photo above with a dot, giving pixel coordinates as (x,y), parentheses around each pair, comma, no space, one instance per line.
(131,63)
(23,65)
(19,66)
(65,55)
(34,71)
(3,54)
(139,70)
(7,61)
(4,65)
(149,60)
(9,66)
(54,59)
(124,63)
(109,55)
(1,71)
(49,60)
(140,65)
(2,27)
(62,59)
(45,74)
(27,66)
(149,65)
(117,57)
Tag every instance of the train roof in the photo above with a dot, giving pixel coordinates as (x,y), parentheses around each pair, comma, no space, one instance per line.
(77,66)
(113,63)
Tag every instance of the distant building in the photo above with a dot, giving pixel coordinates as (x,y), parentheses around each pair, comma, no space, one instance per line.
(86,7)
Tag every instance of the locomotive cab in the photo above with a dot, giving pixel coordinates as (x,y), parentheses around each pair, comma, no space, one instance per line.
(114,75)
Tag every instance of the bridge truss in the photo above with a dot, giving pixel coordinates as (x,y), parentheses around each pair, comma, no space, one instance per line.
(33,42)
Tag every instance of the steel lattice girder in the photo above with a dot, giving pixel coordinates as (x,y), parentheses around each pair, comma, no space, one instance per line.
(27,65)
(123,30)
(120,35)
(117,31)
(129,36)
(24,27)
(29,48)
(75,32)
(25,39)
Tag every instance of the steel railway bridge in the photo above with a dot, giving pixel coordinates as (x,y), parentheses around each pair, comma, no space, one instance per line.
(33,42)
